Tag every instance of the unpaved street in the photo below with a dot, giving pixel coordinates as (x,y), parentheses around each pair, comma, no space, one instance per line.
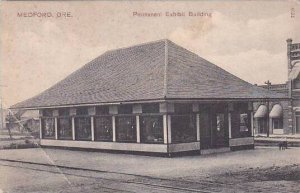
(49,170)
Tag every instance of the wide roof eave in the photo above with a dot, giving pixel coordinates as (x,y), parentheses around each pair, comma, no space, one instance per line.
(151,100)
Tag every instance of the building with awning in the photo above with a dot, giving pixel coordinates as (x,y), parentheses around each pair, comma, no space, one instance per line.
(155,97)
(284,115)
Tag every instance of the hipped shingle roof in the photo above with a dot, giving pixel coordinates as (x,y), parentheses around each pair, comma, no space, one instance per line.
(150,71)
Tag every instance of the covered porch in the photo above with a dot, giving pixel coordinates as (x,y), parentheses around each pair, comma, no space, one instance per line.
(167,127)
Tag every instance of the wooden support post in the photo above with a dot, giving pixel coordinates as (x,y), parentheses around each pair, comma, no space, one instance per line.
(73,128)
(55,128)
(92,128)
(169,129)
(198,126)
(41,133)
(114,128)
(165,126)
(229,125)
(138,132)
(252,124)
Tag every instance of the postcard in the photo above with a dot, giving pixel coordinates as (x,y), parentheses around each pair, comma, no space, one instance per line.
(150,96)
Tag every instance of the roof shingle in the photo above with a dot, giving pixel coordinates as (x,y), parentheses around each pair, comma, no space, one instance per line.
(155,70)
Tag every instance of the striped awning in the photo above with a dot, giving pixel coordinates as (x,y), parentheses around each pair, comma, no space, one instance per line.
(261,112)
(294,73)
(276,111)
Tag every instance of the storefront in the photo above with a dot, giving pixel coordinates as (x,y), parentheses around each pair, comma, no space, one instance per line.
(156,98)
(152,127)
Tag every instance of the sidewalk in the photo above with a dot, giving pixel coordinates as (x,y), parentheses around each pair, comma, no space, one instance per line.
(295,137)
(274,140)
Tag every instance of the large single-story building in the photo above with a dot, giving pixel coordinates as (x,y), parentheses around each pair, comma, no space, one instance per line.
(155,97)
(282,116)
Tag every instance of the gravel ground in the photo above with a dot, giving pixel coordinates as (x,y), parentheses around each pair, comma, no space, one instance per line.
(259,170)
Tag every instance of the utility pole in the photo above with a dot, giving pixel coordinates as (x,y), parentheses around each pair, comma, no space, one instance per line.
(268,83)
(1,106)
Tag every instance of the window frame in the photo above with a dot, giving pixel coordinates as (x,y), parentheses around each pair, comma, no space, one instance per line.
(43,124)
(76,129)
(193,135)
(143,116)
(96,131)
(117,128)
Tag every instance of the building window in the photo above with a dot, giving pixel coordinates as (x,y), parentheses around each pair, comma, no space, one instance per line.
(82,111)
(277,123)
(262,125)
(244,122)
(126,128)
(183,108)
(48,127)
(151,129)
(183,128)
(220,122)
(64,112)
(296,84)
(47,113)
(64,125)
(150,108)
(125,109)
(103,128)
(83,128)
(102,110)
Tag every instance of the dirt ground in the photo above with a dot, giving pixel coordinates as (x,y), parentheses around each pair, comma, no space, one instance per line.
(259,170)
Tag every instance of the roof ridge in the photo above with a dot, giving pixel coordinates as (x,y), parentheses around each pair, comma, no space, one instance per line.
(137,45)
(166,68)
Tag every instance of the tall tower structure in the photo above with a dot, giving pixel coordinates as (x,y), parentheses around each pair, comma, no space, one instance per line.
(293,64)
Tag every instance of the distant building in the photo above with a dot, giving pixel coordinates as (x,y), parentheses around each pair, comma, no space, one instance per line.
(156,97)
(282,117)
(23,120)
(3,113)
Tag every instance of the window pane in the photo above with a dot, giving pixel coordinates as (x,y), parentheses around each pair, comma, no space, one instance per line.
(64,112)
(183,108)
(82,111)
(220,122)
(102,110)
(48,128)
(152,129)
(277,123)
(125,109)
(150,108)
(183,128)
(103,128)
(126,128)
(244,122)
(47,113)
(83,128)
(64,128)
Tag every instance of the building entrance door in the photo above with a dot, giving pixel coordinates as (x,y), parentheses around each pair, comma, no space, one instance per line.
(219,129)
(213,129)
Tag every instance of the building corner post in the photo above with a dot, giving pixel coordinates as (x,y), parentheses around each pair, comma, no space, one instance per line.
(138,130)
(73,128)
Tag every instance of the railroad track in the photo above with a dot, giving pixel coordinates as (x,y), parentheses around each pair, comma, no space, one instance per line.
(182,185)
(69,171)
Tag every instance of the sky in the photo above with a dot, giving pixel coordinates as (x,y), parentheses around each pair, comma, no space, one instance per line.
(247,39)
